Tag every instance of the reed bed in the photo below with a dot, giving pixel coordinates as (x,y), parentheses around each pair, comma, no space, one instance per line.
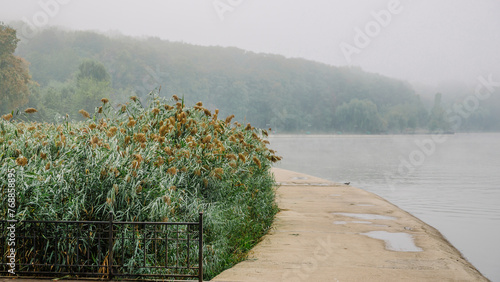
(161,161)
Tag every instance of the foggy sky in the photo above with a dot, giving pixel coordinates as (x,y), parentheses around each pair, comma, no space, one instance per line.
(424,41)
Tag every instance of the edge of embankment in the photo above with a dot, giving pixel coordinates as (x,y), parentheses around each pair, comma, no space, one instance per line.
(316,237)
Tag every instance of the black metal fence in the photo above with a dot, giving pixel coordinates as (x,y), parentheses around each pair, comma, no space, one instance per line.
(105,249)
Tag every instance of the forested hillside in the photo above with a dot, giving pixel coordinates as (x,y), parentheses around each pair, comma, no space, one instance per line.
(75,69)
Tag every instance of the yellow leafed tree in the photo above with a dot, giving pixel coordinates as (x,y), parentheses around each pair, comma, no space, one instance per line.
(14,72)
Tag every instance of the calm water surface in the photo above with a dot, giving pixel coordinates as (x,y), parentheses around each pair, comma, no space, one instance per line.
(451,182)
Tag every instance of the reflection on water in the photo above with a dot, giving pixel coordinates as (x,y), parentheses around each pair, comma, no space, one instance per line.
(452,184)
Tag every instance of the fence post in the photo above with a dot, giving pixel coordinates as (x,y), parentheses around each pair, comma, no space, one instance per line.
(110,248)
(200,248)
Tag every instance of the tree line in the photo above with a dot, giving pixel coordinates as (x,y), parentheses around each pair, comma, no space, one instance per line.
(72,70)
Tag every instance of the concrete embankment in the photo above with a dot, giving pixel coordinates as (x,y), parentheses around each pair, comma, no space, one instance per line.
(333,232)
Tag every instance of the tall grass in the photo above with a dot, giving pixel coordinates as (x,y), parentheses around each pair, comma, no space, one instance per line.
(162,161)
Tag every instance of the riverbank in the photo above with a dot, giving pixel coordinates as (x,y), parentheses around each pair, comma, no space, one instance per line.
(334,232)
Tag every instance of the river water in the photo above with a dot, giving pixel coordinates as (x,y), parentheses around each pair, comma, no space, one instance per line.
(451,182)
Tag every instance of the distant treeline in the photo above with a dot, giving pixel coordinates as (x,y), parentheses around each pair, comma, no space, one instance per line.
(75,69)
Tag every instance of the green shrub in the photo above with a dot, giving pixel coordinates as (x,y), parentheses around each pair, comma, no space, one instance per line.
(160,162)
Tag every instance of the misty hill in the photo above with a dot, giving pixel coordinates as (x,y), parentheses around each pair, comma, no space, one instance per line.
(290,95)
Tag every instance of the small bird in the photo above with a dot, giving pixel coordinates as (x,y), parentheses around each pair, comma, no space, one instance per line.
(347,183)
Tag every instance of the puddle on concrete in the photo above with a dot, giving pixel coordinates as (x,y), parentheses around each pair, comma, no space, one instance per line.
(399,242)
(366,216)
(335,195)
(300,178)
(340,222)
(355,221)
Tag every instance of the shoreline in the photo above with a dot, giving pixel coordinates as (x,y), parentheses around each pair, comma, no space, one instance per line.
(346,135)
(334,232)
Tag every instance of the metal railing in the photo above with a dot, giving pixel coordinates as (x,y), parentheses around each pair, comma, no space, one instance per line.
(105,249)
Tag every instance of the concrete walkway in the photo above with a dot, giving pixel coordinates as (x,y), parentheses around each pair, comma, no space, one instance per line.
(331,232)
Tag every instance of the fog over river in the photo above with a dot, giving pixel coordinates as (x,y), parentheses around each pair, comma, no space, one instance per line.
(451,182)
